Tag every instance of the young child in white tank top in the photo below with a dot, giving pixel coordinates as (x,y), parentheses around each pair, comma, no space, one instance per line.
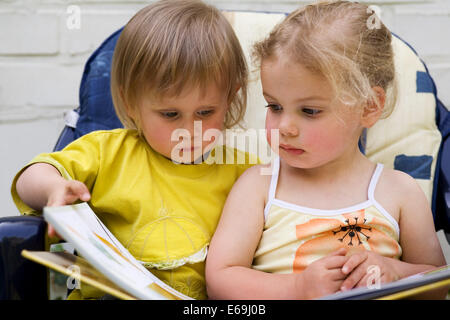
(327,214)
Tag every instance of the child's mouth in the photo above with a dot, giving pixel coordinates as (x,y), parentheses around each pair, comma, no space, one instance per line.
(189,149)
(291,150)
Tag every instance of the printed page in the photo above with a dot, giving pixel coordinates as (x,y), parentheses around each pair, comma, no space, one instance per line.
(79,225)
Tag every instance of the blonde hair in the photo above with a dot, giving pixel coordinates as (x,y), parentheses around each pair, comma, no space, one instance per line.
(173,45)
(336,39)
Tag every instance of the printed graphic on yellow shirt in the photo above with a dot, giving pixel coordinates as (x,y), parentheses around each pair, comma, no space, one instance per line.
(169,241)
(354,231)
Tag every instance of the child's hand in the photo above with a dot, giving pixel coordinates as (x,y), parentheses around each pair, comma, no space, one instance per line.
(360,273)
(67,193)
(324,276)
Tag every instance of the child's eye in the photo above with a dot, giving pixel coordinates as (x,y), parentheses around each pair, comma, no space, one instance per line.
(169,114)
(204,113)
(274,107)
(311,111)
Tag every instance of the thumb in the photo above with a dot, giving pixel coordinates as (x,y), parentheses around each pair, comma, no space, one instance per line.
(79,190)
(52,232)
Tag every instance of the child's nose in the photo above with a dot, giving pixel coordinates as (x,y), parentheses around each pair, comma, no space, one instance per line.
(194,128)
(288,127)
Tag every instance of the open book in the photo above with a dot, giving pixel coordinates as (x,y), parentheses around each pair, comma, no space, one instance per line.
(105,257)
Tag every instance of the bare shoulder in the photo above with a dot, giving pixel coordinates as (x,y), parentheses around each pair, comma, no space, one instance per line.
(253,183)
(399,192)
(244,207)
(398,181)
(417,231)
(257,175)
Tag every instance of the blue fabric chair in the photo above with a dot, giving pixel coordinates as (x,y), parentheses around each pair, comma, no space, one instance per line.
(96,111)
(441,197)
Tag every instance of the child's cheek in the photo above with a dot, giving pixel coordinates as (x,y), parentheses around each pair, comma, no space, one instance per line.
(322,141)
(270,125)
(211,130)
(313,138)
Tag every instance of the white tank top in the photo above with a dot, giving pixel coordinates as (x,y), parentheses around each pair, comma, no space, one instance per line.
(295,236)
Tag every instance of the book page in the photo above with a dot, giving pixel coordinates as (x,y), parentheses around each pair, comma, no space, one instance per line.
(79,225)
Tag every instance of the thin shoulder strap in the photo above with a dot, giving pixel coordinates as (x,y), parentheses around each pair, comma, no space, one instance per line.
(273,185)
(374,181)
(274,179)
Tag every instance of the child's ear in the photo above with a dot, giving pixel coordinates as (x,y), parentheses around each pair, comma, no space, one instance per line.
(373,110)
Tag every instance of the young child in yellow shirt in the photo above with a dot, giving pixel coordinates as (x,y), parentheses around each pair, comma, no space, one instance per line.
(178,73)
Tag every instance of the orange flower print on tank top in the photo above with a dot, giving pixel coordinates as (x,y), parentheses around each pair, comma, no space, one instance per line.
(353,231)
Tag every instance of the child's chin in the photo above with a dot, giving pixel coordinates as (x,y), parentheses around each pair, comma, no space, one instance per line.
(187,158)
(296,162)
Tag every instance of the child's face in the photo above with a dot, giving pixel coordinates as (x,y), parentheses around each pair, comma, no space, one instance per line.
(159,121)
(313,129)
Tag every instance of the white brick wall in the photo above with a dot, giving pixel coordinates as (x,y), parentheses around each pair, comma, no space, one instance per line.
(41,61)
(29,33)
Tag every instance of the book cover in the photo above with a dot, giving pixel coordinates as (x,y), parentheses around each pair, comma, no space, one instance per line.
(77,269)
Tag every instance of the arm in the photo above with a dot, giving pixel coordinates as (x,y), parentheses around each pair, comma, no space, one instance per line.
(421,247)
(53,179)
(228,267)
(421,250)
(41,185)
(418,236)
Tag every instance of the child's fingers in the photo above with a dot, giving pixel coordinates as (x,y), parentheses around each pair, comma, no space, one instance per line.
(339,252)
(365,281)
(354,261)
(354,278)
(79,190)
(335,261)
(337,275)
(72,191)
(52,233)
(68,194)
(374,279)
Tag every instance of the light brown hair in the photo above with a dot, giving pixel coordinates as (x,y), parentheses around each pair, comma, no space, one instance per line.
(174,45)
(338,40)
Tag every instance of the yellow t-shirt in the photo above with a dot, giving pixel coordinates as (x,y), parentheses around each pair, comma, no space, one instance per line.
(164,213)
